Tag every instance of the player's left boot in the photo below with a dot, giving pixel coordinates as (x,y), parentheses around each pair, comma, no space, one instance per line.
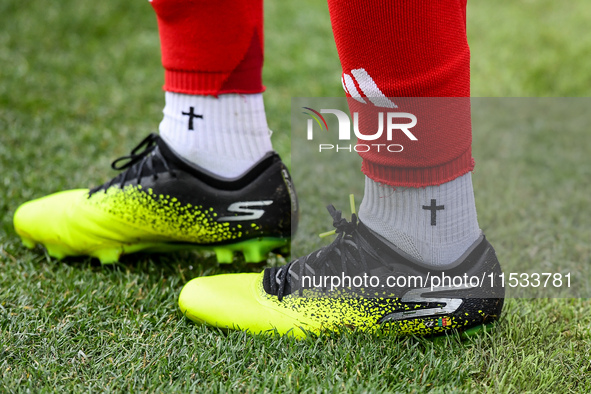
(160,202)
(280,300)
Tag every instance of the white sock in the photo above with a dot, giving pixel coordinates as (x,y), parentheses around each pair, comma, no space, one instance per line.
(225,135)
(403,215)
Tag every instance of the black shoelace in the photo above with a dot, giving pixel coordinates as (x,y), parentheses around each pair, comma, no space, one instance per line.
(349,247)
(137,161)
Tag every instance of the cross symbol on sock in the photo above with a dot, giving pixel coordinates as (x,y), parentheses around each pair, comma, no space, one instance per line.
(192,115)
(433,208)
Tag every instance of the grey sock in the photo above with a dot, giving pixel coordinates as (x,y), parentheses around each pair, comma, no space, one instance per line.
(434,224)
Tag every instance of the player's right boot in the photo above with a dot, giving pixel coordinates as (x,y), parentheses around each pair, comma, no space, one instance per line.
(376,287)
(160,202)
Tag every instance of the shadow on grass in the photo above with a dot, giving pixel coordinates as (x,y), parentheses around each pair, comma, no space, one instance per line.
(183,264)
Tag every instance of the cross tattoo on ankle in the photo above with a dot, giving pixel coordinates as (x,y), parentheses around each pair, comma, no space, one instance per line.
(192,115)
(434,208)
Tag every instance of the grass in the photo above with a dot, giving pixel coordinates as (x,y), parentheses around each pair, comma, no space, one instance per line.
(80,85)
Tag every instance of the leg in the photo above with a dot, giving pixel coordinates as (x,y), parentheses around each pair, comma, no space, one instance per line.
(212,53)
(210,180)
(420,50)
(418,215)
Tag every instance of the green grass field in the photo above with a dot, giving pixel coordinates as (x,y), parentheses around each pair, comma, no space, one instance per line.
(80,84)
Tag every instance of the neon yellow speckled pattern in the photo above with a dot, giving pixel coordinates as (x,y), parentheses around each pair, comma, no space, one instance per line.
(162,215)
(239,301)
(119,221)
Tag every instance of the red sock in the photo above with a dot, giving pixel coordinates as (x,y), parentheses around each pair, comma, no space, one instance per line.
(211,47)
(410,48)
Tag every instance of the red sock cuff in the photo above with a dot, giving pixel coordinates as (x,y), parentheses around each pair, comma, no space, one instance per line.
(419,177)
(211,48)
(410,48)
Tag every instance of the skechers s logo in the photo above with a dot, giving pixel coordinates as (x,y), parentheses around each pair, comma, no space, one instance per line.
(416,296)
(244,207)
